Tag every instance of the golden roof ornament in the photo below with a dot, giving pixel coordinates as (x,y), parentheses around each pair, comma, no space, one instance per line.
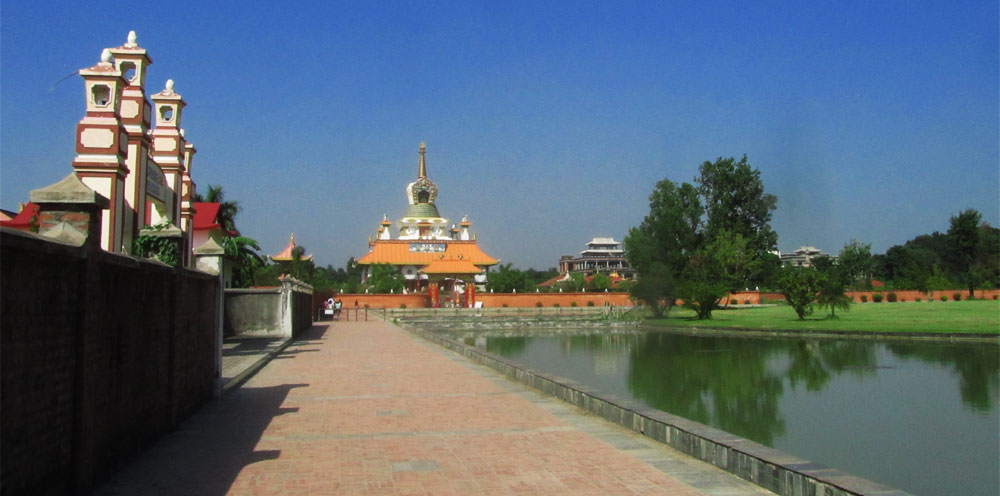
(422,165)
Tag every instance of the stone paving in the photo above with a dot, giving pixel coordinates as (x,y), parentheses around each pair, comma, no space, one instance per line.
(364,408)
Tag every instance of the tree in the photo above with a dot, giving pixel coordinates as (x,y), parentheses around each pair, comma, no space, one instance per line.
(600,282)
(799,285)
(735,202)
(830,285)
(656,288)
(856,262)
(385,279)
(703,283)
(964,237)
(507,279)
(243,249)
(670,233)
(734,260)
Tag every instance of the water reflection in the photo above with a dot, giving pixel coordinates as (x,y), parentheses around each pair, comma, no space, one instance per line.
(977,367)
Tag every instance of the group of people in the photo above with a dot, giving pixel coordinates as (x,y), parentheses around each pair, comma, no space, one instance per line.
(333,307)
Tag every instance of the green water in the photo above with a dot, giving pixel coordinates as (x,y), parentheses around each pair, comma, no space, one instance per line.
(918,416)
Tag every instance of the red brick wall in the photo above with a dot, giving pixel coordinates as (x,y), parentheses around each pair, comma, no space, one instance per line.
(99,356)
(912,294)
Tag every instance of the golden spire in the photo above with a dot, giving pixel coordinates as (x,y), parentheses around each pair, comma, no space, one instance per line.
(422,166)
(291,239)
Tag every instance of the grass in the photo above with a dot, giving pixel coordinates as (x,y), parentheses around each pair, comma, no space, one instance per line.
(971,317)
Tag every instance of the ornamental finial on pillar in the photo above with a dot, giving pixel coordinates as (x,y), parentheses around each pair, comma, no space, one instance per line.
(131,41)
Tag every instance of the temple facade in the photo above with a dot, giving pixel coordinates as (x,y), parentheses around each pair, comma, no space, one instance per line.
(432,255)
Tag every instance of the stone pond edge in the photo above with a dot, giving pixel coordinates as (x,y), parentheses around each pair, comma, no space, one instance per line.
(769,468)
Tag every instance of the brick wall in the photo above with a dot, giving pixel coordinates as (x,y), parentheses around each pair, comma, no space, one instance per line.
(100,354)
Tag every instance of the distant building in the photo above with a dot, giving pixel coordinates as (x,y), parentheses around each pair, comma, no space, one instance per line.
(602,256)
(802,257)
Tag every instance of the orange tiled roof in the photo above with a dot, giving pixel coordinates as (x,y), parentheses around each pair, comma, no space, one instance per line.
(451,267)
(286,254)
(397,252)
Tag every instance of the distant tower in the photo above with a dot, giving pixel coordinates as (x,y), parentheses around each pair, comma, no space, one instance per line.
(102,145)
(132,61)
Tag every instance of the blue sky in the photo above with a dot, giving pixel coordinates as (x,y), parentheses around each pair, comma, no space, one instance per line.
(547,123)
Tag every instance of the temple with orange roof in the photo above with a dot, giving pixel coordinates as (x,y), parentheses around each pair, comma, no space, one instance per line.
(287,255)
(430,255)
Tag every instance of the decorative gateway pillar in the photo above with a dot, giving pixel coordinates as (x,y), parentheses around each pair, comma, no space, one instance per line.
(432,291)
(101,146)
(136,114)
(470,293)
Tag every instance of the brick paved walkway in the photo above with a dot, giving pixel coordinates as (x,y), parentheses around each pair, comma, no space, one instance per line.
(366,408)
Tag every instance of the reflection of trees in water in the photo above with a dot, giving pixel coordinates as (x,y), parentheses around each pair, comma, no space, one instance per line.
(977,367)
(508,346)
(723,382)
(726,382)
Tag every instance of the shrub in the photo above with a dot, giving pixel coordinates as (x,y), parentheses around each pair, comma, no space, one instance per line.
(891,297)
(877,297)
(555,304)
(538,304)
(918,299)
(957,296)
(944,298)
(572,304)
(402,305)
(746,302)
(504,305)
(590,303)
(864,298)
(995,297)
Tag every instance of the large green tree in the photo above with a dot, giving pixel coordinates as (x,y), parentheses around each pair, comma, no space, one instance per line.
(671,232)
(735,202)
(964,237)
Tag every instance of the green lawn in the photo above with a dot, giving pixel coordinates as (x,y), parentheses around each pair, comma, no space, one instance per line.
(978,317)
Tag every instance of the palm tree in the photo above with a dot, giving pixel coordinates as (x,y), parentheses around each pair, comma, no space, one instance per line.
(227,209)
(243,249)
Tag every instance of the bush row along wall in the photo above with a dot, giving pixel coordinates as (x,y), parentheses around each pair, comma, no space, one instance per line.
(101,354)
(283,311)
(769,468)
(914,295)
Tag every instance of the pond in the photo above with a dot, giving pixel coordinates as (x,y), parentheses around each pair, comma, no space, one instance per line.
(916,415)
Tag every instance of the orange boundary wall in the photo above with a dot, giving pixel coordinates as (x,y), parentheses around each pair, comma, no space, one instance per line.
(490,300)
(526,300)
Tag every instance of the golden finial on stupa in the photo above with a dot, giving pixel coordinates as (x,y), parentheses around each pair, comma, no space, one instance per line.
(422,166)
